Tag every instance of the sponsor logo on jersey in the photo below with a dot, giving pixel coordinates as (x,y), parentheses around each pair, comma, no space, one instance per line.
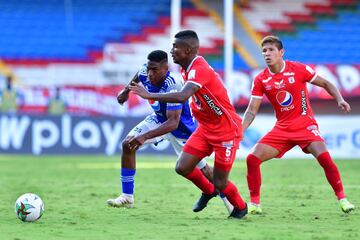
(289,74)
(266,80)
(303,103)
(228,144)
(212,105)
(155,105)
(312,127)
(284,98)
(280,84)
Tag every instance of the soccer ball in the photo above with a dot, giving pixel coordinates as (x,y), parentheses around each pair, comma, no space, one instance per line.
(29,207)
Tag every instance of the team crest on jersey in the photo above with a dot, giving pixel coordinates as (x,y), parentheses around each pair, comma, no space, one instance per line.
(291,80)
(280,84)
(268,87)
(284,98)
(155,105)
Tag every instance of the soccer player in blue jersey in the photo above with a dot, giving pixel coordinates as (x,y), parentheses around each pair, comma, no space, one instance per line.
(170,121)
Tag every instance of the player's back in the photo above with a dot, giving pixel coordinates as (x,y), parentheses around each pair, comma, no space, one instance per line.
(210,104)
(172,83)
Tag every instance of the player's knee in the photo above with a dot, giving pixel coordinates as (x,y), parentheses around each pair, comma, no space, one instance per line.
(220,183)
(125,145)
(181,170)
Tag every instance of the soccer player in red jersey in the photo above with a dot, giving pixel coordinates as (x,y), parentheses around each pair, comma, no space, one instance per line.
(219,129)
(284,84)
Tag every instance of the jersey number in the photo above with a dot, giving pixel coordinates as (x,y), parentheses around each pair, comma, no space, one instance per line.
(228,152)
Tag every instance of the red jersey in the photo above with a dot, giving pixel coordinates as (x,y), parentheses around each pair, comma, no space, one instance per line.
(287,93)
(210,104)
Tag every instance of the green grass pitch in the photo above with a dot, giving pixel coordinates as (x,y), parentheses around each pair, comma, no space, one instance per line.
(297,201)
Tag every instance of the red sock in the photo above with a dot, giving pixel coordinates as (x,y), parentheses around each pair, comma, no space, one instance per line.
(233,196)
(253,177)
(198,178)
(332,174)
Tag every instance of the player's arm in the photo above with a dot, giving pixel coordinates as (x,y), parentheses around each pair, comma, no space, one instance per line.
(333,91)
(123,95)
(251,112)
(172,122)
(173,97)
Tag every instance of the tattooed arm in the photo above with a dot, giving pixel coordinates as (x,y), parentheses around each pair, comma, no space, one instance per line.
(251,112)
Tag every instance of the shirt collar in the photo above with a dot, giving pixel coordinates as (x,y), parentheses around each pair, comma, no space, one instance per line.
(283,68)
(192,62)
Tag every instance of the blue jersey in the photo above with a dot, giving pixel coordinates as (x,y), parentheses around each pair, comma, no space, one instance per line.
(187,124)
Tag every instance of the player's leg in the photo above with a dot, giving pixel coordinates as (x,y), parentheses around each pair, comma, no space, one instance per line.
(224,158)
(186,166)
(319,151)
(207,170)
(262,152)
(128,163)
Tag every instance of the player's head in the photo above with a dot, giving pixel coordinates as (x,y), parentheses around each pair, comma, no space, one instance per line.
(272,50)
(157,66)
(185,46)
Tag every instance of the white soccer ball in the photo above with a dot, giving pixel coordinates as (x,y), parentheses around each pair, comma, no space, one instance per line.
(29,207)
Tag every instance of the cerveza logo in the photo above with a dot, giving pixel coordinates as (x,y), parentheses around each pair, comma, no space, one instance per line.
(284,98)
(212,105)
(155,105)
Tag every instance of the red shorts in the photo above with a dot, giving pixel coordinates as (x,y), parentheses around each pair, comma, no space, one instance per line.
(284,140)
(201,146)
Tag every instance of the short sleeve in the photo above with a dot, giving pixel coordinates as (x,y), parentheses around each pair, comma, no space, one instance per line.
(256,88)
(175,87)
(199,76)
(307,73)
(142,73)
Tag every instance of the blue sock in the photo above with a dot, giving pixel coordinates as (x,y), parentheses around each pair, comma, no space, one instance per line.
(127,180)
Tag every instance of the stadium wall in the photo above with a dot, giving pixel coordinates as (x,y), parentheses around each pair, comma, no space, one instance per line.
(26,134)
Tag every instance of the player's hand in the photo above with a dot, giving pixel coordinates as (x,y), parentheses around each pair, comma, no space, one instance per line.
(345,107)
(139,90)
(136,142)
(122,96)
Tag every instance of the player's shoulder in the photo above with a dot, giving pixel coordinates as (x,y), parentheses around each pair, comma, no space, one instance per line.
(300,67)
(262,75)
(200,64)
(143,69)
(172,82)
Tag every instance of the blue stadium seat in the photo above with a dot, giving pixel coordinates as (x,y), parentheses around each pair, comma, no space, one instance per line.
(333,42)
(35,29)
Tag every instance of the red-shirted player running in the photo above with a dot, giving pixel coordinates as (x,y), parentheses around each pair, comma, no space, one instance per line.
(284,84)
(219,127)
